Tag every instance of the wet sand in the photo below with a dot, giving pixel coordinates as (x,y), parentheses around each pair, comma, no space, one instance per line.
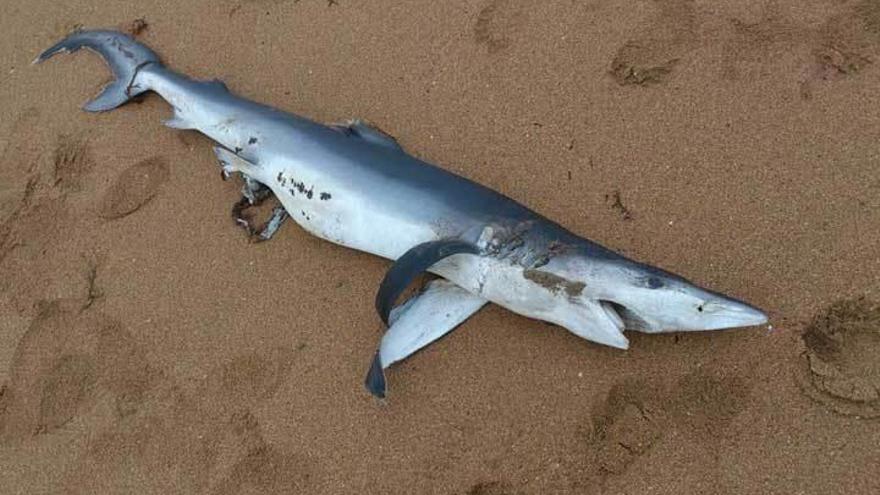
(147,347)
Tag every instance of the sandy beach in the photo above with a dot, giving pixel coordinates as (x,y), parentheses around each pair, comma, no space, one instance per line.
(146,346)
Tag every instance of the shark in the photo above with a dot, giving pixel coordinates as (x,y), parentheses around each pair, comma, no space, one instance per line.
(354,185)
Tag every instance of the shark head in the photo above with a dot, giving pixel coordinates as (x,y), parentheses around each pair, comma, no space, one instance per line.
(650,300)
(636,296)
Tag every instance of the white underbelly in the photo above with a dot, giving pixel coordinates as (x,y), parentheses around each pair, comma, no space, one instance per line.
(339,215)
(344,217)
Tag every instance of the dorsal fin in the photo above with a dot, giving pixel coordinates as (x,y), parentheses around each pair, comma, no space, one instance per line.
(369,133)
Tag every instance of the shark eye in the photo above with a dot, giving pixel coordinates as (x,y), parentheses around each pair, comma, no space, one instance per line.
(654,283)
(700,308)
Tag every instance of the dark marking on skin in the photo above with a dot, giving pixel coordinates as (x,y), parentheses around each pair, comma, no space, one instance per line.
(554,283)
(279,177)
(252,140)
(557,248)
(134,76)
(237,150)
(292,192)
(325,196)
(301,187)
(554,249)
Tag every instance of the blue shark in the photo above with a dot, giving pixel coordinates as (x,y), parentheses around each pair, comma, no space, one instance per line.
(354,185)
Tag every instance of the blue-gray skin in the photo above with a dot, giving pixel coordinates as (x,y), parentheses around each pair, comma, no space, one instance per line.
(355,186)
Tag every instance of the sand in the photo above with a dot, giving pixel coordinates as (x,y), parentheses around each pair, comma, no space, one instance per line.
(146,346)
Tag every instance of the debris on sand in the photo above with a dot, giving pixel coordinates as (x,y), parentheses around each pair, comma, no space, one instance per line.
(617,205)
(137,26)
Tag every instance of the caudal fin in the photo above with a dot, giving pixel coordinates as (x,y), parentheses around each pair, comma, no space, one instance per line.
(123,54)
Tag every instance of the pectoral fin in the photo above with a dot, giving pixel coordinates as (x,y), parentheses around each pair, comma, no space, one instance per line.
(411,264)
(421,320)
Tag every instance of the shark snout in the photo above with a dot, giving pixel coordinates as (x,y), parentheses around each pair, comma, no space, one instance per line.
(729,313)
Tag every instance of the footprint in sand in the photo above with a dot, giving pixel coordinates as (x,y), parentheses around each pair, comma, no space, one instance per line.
(264,469)
(63,362)
(65,388)
(207,440)
(17,165)
(751,46)
(124,369)
(705,404)
(839,368)
(497,24)
(651,56)
(134,188)
(248,378)
(18,176)
(72,160)
(626,425)
(868,12)
(4,397)
(840,46)
(256,465)
(635,416)
(491,488)
(52,373)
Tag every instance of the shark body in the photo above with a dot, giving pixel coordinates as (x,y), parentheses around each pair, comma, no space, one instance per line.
(355,186)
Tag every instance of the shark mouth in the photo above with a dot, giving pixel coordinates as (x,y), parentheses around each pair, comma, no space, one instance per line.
(630,319)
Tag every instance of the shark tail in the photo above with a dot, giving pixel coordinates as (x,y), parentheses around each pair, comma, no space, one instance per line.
(125,56)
